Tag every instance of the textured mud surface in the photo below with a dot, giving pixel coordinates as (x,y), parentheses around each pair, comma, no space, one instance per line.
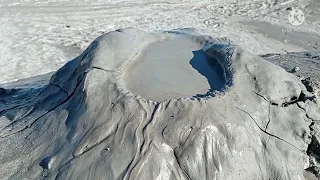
(85,123)
(305,65)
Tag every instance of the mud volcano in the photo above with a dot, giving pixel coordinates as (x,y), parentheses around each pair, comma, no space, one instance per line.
(166,105)
(175,68)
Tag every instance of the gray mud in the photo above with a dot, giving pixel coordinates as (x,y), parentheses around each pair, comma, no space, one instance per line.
(85,123)
(308,41)
(174,69)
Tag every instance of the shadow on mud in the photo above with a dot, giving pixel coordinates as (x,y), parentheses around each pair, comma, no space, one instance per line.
(214,68)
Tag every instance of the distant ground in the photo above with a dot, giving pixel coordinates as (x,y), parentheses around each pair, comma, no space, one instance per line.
(39,37)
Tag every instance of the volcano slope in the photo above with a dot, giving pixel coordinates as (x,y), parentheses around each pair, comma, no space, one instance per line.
(126,109)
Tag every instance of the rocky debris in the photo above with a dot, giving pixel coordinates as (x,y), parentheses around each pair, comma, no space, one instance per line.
(3,91)
(309,84)
(314,149)
(295,69)
(307,63)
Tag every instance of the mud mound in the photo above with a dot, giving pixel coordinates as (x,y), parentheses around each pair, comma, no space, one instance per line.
(239,117)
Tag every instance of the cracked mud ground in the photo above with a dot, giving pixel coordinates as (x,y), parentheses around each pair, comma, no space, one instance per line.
(85,124)
(308,73)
